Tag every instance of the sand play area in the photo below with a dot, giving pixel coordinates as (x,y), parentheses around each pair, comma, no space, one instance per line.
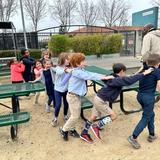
(38,140)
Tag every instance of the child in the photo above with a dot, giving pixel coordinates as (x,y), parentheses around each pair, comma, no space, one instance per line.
(106,94)
(60,90)
(37,71)
(45,56)
(77,88)
(17,68)
(145,97)
(28,62)
(48,77)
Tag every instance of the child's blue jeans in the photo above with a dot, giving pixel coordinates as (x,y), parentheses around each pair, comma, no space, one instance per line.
(147,120)
(58,99)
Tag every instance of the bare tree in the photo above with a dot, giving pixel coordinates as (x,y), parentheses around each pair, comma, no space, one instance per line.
(156,2)
(62,11)
(7,9)
(88,12)
(36,10)
(113,12)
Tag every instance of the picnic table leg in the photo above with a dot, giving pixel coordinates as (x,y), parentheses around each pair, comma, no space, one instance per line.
(122,106)
(15,104)
(94,87)
(15,108)
(82,115)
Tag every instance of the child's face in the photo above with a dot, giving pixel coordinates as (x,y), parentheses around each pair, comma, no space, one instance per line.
(46,55)
(38,65)
(82,64)
(26,53)
(66,62)
(48,65)
(15,61)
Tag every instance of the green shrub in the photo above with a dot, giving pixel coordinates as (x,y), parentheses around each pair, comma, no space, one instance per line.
(35,53)
(96,44)
(58,44)
(87,44)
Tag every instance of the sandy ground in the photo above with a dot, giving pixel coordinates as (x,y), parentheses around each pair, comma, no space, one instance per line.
(38,140)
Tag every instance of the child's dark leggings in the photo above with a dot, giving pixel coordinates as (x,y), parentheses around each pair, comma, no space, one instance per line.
(58,98)
(147,120)
(51,98)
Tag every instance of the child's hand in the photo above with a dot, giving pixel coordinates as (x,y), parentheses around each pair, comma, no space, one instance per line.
(107,77)
(68,70)
(31,82)
(148,71)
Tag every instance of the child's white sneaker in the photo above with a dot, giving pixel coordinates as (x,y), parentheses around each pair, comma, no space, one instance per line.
(54,123)
(47,108)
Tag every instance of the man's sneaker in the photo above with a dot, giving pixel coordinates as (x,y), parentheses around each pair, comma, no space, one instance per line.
(54,123)
(74,133)
(151,138)
(63,134)
(95,130)
(65,118)
(133,142)
(47,108)
(86,137)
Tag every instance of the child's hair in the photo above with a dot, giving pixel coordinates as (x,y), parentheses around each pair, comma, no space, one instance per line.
(62,57)
(153,59)
(38,61)
(48,60)
(23,51)
(76,58)
(10,62)
(117,67)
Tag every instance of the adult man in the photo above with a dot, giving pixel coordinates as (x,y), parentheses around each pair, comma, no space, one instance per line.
(151,41)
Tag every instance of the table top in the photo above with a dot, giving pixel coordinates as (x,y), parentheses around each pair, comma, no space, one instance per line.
(99,70)
(20,89)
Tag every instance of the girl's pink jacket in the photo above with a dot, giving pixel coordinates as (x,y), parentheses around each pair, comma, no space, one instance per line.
(16,72)
(37,72)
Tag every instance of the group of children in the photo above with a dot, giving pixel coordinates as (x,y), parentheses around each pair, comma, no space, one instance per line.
(68,81)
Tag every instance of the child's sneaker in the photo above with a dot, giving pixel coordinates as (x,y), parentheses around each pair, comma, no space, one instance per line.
(54,123)
(74,133)
(47,108)
(65,118)
(86,137)
(151,138)
(95,130)
(63,134)
(133,142)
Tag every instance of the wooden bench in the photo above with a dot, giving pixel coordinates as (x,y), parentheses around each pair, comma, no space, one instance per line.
(14,119)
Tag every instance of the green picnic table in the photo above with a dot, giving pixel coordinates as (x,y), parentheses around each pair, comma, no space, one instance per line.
(103,71)
(17,117)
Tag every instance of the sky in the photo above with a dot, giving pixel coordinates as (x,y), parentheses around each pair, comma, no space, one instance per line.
(136,5)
